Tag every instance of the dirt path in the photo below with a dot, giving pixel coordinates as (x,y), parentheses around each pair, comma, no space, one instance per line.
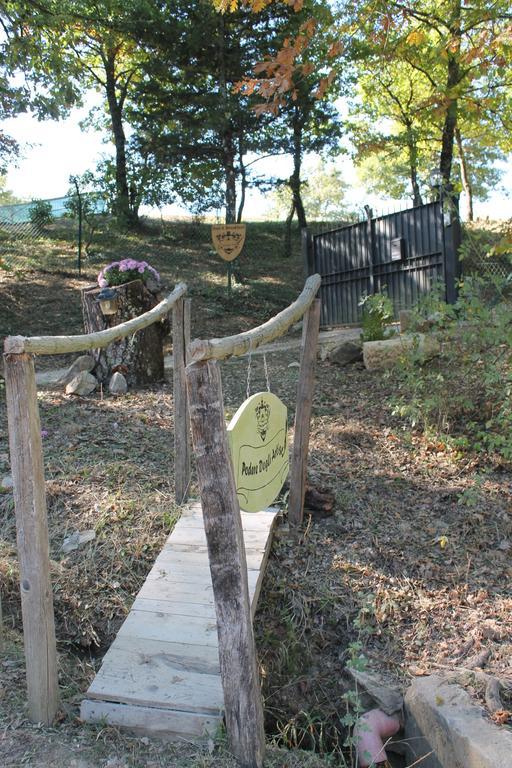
(413,571)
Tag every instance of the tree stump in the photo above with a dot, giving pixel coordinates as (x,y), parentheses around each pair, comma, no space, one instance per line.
(140,358)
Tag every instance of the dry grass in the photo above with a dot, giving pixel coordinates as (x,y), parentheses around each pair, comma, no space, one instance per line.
(413,571)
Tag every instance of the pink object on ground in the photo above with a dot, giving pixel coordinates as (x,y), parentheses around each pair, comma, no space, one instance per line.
(371,732)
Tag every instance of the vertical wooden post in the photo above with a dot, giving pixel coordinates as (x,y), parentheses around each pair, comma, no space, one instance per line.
(32,535)
(181,418)
(303,414)
(371,248)
(187,326)
(223,525)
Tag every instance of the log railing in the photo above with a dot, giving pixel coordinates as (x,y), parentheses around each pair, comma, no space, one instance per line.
(61,345)
(29,483)
(221,510)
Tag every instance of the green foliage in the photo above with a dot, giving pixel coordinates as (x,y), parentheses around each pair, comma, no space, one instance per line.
(323,193)
(465,393)
(486,248)
(377,314)
(40,213)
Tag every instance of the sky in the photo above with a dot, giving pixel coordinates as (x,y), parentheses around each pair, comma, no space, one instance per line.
(54,150)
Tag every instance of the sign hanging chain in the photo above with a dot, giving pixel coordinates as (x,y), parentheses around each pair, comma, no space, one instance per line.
(249,364)
(266,372)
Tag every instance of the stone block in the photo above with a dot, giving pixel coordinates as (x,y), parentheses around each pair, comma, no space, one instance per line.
(387,353)
(443,720)
(346,353)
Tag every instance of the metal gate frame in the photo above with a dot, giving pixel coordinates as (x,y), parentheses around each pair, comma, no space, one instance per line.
(406,253)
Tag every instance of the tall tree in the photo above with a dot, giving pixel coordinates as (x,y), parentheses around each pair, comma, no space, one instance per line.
(186,113)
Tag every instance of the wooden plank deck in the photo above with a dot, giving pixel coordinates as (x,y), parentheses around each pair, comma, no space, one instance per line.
(161,674)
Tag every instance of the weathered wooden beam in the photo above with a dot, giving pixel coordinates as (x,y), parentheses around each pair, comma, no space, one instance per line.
(303,414)
(55,345)
(223,526)
(207,349)
(181,417)
(32,535)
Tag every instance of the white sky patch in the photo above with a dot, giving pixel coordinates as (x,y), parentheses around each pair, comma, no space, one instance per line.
(54,150)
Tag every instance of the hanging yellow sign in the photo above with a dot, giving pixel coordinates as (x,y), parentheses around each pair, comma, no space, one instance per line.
(258,441)
(228,240)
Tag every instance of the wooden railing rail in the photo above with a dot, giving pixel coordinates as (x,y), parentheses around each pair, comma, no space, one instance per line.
(229,346)
(60,345)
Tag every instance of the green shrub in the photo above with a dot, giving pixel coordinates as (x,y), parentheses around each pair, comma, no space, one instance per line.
(465,393)
(377,314)
(40,213)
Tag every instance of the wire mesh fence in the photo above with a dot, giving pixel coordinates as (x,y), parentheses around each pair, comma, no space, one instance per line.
(46,234)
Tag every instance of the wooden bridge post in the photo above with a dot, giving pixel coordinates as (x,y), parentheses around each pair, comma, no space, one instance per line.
(223,526)
(303,414)
(32,535)
(180,341)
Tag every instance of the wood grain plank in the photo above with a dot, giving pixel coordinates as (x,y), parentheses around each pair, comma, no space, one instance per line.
(161,723)
(157,679)
(161,626)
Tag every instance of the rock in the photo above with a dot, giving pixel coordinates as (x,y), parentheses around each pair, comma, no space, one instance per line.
(441,717)
(76,540)
(410,321)
(387,353)
(382,692)
(118,384)
(346,353)
(7,483)
(82,363)
(405,317)
(83,384)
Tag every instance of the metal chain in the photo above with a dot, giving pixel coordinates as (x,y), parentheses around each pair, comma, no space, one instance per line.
(249,364)
(266,371)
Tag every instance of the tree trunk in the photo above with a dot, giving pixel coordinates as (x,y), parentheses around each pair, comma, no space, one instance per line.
(452,81)
(139,358)
(230,177)
(122,210)
(295,180)
(244,181)
(464,175)
(288,232)
(413,166)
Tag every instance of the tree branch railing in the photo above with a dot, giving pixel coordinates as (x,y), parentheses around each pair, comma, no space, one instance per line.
(27,465)
(61,345)
(233,346)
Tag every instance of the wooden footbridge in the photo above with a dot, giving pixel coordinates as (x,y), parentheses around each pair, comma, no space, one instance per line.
(161,675)
(185,654)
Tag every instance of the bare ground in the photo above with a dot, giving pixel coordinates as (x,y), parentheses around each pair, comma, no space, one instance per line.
(414,567)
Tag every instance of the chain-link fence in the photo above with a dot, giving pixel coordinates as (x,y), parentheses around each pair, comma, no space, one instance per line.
(50,234)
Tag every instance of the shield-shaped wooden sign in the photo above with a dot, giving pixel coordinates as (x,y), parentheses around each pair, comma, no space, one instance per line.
(228,240)
(258,441)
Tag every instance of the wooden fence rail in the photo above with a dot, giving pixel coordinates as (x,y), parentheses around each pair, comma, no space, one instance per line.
(29,483)
(60,345)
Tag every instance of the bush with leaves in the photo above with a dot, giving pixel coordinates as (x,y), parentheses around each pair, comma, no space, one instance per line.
(40,213)
(464,394)
(376,317)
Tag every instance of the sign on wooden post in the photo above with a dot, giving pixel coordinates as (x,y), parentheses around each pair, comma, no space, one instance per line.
(228,240)
(258,441)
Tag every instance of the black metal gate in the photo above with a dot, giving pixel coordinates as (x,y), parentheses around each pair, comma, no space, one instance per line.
(404,253)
